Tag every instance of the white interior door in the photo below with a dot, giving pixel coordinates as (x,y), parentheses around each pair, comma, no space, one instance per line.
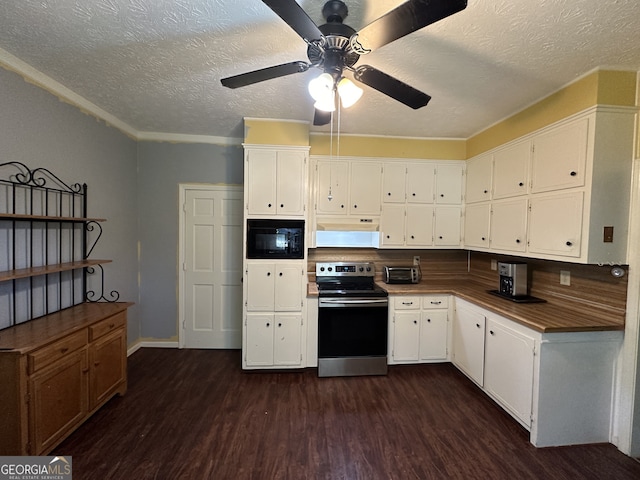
(211,267)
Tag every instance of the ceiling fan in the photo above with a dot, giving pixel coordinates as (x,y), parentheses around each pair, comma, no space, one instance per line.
(335,47)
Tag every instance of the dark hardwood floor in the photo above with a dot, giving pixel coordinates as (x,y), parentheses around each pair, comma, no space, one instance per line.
(194,414)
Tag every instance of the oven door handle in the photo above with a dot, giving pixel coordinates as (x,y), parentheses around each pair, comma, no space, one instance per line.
(345,301)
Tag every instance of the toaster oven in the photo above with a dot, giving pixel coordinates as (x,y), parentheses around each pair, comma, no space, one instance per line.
(401,274)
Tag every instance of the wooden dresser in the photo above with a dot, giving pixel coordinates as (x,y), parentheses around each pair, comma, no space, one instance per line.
(56,371)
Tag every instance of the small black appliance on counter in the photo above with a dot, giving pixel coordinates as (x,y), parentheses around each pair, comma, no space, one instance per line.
(401,274)
(513,283)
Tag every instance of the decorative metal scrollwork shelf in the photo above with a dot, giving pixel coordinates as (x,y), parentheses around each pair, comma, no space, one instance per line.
(45,266)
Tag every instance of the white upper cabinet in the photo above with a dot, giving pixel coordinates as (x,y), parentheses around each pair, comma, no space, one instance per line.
(574,180)
(511,170)
(555,224)
(412,182)
(332,188)
(420,182)
(275,181)
(476,225)
(447,230)
(364,188)
(419,228)
(509,225)
(479,173)
(449,179)
(394,183)
(560,157)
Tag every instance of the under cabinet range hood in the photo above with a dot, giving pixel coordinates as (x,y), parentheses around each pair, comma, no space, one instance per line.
(347,232)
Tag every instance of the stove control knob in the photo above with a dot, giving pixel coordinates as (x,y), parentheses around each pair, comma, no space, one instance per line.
(330,268)
(322,269)
(362,269)
(368,269)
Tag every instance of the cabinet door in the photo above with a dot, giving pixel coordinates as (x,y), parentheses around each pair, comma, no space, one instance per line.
(509,225)
(420,182)
(419,229)
(555,224)
(291,181)
(447,226)
(392,225)
(260,278)
(393,182)
(107,366)
(433,335)
(476,225)
(365,185)
(508,371)
(511,170)
(449,184)
(287,340)
(288,287)
(478,187)
(406,336)
(468,342)
(333,188)
(560,157)
(259,339)
(58,400)
(261,182)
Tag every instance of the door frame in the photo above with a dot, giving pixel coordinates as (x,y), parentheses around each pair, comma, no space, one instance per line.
(182,194)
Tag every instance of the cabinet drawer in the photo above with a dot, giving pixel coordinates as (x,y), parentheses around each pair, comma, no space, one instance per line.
(435,301)
(406,303)
(107,325)
(46,355)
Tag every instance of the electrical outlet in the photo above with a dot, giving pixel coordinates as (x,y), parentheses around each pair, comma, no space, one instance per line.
(494,264)
(565,277)
(416,260)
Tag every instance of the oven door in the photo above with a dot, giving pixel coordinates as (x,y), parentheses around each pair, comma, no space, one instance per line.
(352,336)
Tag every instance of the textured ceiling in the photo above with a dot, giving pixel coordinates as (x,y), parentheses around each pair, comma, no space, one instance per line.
(156,65)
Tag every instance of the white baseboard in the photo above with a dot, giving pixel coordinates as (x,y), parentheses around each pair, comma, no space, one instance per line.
(137,346)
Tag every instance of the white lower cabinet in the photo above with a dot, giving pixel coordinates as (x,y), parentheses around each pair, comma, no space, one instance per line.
(273,311)
(508,368)
(274,340)
(468,341)
(557,385)
(418,329)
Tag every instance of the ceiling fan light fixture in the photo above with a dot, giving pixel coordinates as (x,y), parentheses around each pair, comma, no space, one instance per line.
(327,104)
(321,87)
(349,92)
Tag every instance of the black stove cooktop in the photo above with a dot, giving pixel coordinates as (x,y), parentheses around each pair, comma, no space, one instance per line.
(347,279)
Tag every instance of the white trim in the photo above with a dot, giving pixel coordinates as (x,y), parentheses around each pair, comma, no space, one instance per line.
(187,138)
(399,137)
(150,344)
(133,348)
(47,83)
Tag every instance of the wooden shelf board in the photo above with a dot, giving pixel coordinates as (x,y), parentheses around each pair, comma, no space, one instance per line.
(47,269)
(46,218)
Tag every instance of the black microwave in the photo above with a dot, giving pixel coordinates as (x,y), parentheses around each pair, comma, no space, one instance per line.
(275,238)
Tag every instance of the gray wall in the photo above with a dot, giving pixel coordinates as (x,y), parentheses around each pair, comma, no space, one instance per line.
(161,168)
(40,131)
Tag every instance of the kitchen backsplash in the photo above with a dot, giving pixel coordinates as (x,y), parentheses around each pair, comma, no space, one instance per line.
(590,285)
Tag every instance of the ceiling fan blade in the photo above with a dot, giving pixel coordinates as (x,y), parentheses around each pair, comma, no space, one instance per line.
(321,117)
(296,18)
(403,20)
(263,74)
(391,86)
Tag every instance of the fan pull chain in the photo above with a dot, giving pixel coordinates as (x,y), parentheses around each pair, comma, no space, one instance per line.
(330,196)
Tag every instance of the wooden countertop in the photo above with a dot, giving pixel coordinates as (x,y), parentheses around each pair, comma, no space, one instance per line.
(542,317)
(23,337)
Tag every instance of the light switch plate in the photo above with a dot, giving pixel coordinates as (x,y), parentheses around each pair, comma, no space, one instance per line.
(565,277)
(494,264)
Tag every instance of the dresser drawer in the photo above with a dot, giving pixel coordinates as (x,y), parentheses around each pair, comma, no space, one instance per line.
(435,301)
(406,303)
(107,325)
(47,355)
